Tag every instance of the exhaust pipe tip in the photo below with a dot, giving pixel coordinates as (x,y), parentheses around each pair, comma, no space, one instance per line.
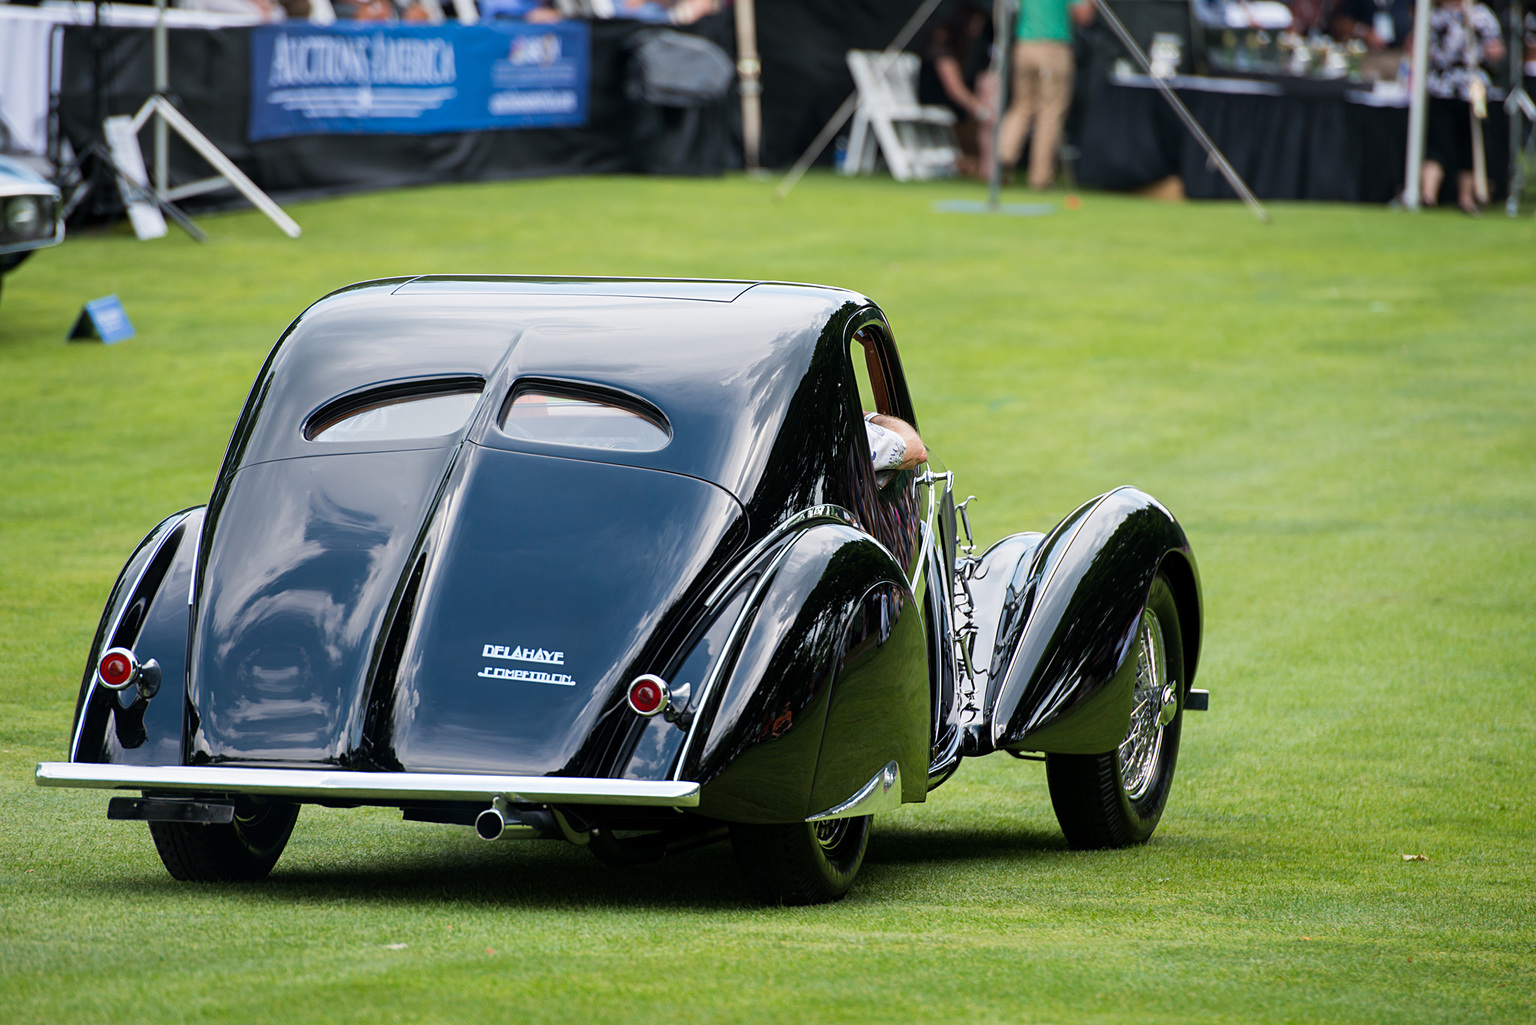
(490,824)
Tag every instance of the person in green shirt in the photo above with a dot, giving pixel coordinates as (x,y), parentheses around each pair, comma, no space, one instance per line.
(1042,84)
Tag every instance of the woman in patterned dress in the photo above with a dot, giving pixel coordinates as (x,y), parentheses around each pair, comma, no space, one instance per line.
(1454,65)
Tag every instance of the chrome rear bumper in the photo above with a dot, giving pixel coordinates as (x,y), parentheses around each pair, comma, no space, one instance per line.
(369,787)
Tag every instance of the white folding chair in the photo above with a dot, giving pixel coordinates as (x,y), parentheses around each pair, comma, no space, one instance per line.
(917,142)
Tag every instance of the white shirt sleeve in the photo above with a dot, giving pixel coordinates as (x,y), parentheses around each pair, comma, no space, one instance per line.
(886,448)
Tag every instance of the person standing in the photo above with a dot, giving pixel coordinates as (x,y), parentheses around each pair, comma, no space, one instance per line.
(956,73)
(1462,35)
(1042,84)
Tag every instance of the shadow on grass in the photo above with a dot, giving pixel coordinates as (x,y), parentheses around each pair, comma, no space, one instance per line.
(533,875)
(925,846)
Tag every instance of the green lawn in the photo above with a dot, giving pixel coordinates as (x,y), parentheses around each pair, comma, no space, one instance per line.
(1339,407)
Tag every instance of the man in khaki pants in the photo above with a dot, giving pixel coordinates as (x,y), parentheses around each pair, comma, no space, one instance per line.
(1042,84)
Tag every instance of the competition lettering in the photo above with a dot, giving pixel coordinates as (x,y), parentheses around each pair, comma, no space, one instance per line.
(521,654)
(526,676)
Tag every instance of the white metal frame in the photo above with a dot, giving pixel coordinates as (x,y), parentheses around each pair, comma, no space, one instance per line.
(229,175)
(168,118)
(917,141)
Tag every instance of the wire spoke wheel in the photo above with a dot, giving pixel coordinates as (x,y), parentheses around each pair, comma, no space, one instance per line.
(1116,798)
(1143,744)
(830,833)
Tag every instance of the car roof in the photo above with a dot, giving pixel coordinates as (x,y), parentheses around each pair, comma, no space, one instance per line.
(639,288)
(721,359)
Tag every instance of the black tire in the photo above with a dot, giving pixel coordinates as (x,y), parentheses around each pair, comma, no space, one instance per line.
(801,862)
(1115,799)
(9,262)
(241,851)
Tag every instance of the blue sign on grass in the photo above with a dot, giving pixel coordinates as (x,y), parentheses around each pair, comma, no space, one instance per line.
(103,318)
(417,79)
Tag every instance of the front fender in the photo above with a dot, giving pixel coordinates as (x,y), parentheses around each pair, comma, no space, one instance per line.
(1062,658)
(148,612)
(829,685)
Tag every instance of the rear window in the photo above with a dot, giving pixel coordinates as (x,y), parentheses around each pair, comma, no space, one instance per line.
(588,420)
(395,416)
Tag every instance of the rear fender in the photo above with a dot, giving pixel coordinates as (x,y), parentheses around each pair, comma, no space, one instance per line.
(147,612)
(1060,677)
(829,686)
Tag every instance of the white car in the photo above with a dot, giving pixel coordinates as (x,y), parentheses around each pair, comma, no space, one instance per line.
(31,213)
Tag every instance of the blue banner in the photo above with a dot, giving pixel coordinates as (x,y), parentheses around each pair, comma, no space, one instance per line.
(417,80)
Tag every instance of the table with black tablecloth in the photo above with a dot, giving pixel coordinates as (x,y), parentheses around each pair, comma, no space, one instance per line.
(1302,140)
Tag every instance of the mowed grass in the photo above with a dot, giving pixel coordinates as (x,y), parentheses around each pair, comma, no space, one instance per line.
(1339,408)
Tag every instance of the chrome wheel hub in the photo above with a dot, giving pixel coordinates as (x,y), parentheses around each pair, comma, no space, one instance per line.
(1154,703)
(830,832)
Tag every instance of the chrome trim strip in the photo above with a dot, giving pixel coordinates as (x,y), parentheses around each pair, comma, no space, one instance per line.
(74,743)
(923,551)
(929,526)
(369,786)
(777,534)
(882,793)
(29,244)
(197,550)
(727,655)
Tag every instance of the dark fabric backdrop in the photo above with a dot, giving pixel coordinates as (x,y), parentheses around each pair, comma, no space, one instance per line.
(1307,147)
(805,79)
(804,45)
(210,82)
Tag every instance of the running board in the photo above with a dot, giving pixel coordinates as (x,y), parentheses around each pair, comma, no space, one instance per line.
(1197,700)
(372,787)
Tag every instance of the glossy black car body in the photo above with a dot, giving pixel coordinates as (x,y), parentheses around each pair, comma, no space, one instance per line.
(450,623)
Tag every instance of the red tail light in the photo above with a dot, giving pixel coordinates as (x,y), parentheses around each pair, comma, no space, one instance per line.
(117,668)
(648,695)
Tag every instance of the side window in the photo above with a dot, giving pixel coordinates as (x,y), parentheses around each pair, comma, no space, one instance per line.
(428,410)
(864,354)
(561,416)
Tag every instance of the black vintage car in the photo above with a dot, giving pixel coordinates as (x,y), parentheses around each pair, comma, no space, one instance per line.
(608,561)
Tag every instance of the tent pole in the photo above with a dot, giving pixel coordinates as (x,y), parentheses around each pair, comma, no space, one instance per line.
(749,67)
(1417,107)
(1002,47)
(1512,106)
(162,86)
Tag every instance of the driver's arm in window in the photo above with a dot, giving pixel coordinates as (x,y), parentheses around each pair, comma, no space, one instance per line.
(893,443)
